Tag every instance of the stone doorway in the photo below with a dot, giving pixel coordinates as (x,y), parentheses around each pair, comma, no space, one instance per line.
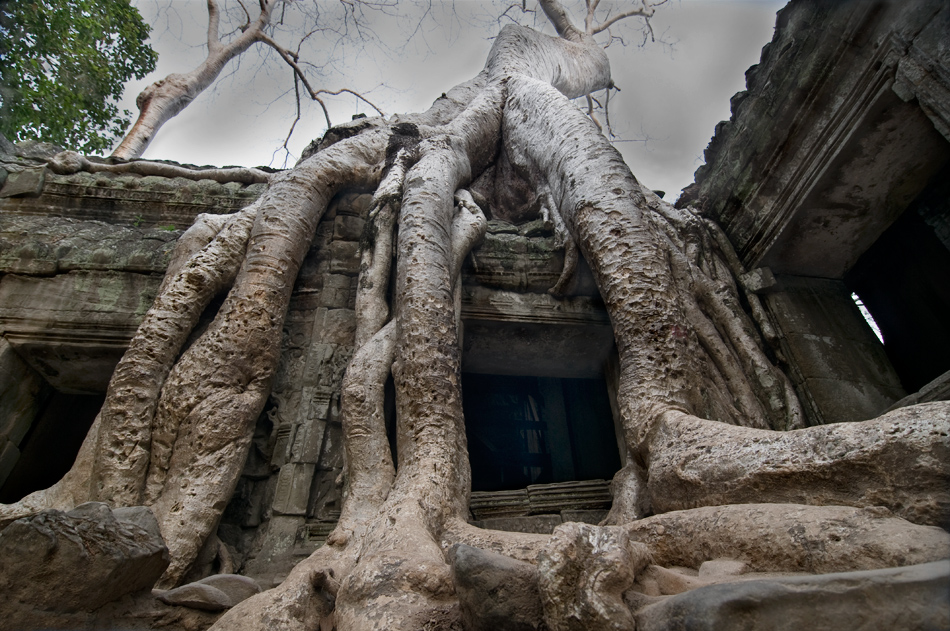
(526,430)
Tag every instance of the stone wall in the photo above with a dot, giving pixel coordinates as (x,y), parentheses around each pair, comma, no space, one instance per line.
(843,129)
(81,258)
(843,125)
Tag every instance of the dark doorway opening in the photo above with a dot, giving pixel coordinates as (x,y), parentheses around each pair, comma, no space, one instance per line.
(526,430)
(904,281)
(50,447)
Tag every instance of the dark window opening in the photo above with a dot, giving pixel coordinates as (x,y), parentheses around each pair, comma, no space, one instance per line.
(537,430)
(50,447)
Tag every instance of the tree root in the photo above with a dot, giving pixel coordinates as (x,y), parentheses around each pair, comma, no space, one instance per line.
(69,162)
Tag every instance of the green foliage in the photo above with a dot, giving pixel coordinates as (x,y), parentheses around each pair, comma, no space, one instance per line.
(63,64)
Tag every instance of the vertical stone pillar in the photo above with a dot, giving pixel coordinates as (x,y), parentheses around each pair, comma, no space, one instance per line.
(837,364)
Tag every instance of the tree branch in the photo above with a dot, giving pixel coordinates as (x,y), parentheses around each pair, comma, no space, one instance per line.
(214,19)
(247,15)
(291,60)
(646,12)
(562,23)
(603,26)
(589,18)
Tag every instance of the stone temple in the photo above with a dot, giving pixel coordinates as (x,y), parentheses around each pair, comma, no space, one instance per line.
(831,180)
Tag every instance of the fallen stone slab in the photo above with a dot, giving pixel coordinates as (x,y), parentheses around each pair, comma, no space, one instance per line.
(789,538)
(900,460)
(584,571)
(25,182)
(80,560)
(213,593)
(196,596)
(909,598)
(495,592)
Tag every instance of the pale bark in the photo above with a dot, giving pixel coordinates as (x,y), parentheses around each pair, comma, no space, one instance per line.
(176,438)
(166,98)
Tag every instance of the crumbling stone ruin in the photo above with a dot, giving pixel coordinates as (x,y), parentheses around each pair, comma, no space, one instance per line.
(829,512)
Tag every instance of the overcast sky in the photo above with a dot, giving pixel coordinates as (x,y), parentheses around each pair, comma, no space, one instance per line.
(672,94)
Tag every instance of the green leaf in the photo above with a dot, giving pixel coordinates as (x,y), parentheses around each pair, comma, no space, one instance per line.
(63,65)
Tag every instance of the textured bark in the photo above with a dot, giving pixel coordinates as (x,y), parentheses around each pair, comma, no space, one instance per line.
(166,98)
(176,426)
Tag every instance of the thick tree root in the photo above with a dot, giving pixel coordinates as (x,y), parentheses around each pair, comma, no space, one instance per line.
(175,430)
(68,162)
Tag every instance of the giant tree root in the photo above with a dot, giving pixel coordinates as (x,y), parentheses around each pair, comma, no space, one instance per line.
(900,461)
(176,424)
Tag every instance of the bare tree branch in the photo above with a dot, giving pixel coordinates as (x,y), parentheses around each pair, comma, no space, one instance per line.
(562,22)
(214,19)
(292,60)
(646,11)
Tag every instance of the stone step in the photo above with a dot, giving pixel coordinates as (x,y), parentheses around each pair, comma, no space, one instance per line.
(542,499)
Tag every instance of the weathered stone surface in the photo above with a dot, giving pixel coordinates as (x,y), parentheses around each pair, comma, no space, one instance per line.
(761,161)
(36,149)
(496,592)
(789,538)
(900,460)
(131,199)
(722,567)
(197,596)
(906,598)
(540,524)
(140,516)
(20,389)
(73,328)
(48,245)
(26,182)
(78,561)
(841,369)
(214,593)
(656,580)
(584,571)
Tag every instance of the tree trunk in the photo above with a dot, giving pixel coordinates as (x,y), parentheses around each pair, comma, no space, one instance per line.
(166,98)
(174,431)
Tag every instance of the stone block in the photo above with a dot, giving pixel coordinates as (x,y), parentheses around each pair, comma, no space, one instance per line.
(486,505)
(496,592)
(73,328)
(326,495)
(336,291)
(78,561)
(352,204)
(912,597)
(344,257)
(339,327)
(827,357)
(320,399)
(275,558)
(309,442)
(538,524)
(584,516)
(758,280)
(293,489)
(587,494)
(348,228)
(331,453)
(25,183)
(844,401)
